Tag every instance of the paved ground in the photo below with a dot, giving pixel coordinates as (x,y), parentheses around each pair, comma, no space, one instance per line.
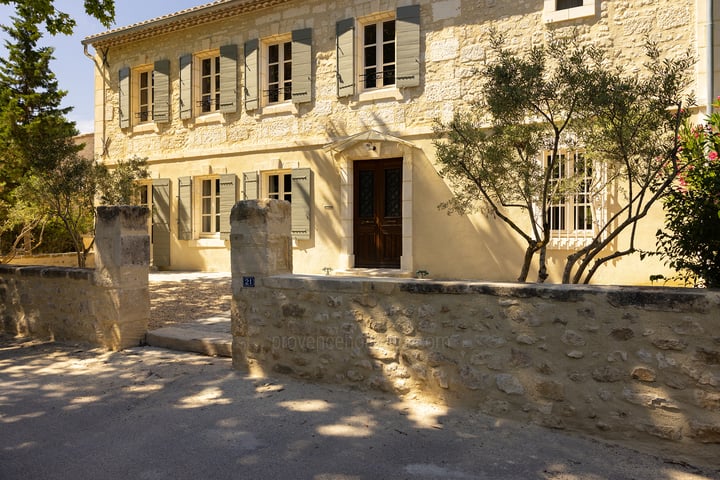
(67,412)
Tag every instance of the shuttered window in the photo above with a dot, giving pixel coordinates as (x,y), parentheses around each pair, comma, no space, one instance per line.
(389,53)
(279,69)
(294,186)
(215,82)
(228,79)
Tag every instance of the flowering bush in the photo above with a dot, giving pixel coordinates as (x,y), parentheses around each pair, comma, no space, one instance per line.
(691,239)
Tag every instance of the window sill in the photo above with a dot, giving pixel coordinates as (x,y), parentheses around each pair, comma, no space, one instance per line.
(550,15)
(145,128)
(385,93)
(571,242)
(208,243)
(208,118)
(279,108)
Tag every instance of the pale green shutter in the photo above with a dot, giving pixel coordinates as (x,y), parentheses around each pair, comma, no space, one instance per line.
(301,205)
(161,222)
(345,30)
(228,197)
(185,208)
(252,78)
(408,46)
(186,87)
(228,78)
(250,186)
(124,97)
(161,91)
(302,65)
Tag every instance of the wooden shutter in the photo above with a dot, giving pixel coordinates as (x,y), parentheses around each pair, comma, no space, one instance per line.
(185,208)
(301,205)
(302,65)
(228,78)
(250,186)
(186,86)
(345,37)
(161,222)
(228,197)
(124,96)
(161,91)
(408,46)
(252,79)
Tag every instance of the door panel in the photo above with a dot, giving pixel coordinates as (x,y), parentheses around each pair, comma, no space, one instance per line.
(378,213)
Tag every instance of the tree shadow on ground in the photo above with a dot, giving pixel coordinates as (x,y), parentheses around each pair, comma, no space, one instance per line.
(183,301)
(70,411)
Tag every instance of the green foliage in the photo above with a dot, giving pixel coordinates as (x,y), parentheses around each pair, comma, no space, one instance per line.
(500,158)
(44,12)
(690,242)
(117,186)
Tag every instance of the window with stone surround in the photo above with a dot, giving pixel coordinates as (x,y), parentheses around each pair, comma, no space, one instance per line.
(142,94)
(562,10)
(279,70)
(204,204)
(378,51)
(277,82)
(208,82)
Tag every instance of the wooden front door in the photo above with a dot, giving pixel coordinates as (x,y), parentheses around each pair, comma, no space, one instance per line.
(378,213)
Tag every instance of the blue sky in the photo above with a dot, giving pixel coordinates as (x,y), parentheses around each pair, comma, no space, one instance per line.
(72,68)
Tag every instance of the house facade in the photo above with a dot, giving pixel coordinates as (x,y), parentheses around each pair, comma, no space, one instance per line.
(331,105)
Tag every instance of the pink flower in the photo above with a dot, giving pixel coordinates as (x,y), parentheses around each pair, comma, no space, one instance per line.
(712,156)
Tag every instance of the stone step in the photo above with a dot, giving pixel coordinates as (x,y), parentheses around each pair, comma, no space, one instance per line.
(191,339)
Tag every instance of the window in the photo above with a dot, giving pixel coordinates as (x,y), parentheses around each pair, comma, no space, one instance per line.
(279,72)
(210,205)
(279,186)
(572,182)
(145,95)
(388,51)
(378,54)
(562,10)
(209,95)
(208,82)
(294,185)
(279,69)
(565,4)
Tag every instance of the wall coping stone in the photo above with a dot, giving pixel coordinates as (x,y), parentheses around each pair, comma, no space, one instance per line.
(41,271)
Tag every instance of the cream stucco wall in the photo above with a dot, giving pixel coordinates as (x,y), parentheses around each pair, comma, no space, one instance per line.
(453,41)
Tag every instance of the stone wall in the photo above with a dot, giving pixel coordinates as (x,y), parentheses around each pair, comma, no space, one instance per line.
(108,306)
(620,363)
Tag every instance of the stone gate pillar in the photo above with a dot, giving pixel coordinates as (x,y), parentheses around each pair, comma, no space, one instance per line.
(260,246)
(122,264)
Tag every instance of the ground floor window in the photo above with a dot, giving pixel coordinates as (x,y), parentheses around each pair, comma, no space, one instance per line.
(210,205)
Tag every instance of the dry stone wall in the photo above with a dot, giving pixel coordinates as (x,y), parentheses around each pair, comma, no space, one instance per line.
(618,362)
(108,306)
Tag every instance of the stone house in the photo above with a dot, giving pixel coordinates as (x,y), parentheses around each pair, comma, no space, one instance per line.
(331,105)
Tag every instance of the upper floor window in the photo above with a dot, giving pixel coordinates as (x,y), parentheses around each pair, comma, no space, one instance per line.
(561,10)
(279,69)
(378,54)
(378,51)
(279,72)
(564,4)
(209,84)
(144,95)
